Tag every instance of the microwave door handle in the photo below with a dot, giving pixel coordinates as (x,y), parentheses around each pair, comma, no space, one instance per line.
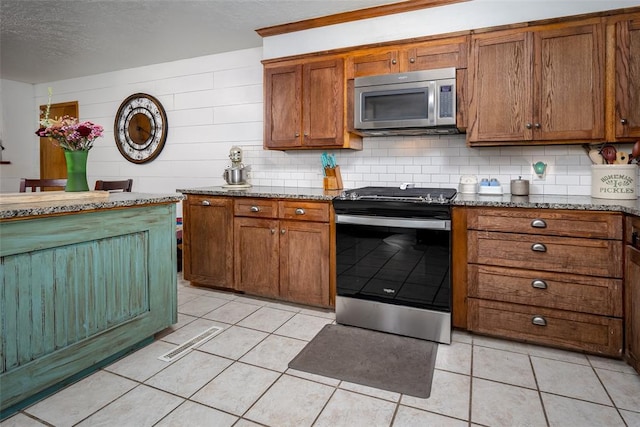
(432,103)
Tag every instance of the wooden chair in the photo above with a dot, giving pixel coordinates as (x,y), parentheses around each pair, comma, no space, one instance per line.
(124,185)
(42,184)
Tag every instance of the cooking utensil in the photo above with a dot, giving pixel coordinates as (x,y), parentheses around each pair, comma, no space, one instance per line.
(635,153)
(608,152)
(596,157)
(622,158)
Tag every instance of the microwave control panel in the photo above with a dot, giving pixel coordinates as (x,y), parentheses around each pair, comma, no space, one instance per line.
(447,100)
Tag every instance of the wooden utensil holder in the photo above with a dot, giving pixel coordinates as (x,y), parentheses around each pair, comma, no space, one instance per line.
(332,178)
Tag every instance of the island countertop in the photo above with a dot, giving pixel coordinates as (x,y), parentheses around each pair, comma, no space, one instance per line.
(13,206)
(549,201)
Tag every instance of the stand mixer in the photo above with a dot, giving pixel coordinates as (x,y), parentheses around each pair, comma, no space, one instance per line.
(236,176)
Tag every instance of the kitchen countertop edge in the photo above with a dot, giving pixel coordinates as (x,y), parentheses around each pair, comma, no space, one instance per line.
(585,203)
(115,200)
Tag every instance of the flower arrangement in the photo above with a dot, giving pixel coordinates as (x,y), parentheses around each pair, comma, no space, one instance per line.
(67,132)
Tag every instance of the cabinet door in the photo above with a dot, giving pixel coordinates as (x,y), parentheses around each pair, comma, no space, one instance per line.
(569,90)
(304,262)
(283,89)
(208,241)
(323,103)
(437,54)
(256,256)
(628,79)
(373,64)
(501,105)
(632,310)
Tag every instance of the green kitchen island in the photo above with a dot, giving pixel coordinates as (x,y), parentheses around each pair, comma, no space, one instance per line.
(85,278)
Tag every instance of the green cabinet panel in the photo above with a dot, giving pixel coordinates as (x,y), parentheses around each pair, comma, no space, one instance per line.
(79,288)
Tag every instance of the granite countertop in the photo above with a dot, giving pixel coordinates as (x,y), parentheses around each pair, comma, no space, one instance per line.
(506,200)
(113,200)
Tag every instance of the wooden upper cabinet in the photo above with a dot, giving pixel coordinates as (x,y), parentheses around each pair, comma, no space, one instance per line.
(544,86)
(569,83)
(305,106)
(500,75)
(442,53)
(283,111)
(627,79)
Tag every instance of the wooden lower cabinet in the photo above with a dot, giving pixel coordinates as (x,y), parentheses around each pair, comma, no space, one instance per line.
(256,256)
(546,276)
(283,250)
(560,328)
(632,293)
(208,240)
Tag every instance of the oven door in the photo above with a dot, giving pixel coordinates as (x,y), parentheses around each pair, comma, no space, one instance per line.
(394,260)
(393,275)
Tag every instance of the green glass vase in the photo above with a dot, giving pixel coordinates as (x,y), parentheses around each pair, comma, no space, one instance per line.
(76,170)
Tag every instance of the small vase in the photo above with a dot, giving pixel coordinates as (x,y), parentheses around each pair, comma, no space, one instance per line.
(76,170)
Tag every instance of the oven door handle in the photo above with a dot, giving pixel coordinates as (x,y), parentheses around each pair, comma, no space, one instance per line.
(421,223)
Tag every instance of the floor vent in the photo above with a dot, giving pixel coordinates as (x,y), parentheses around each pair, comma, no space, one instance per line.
(183,349)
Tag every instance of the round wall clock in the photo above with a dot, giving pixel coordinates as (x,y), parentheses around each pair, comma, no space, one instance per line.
(140,128)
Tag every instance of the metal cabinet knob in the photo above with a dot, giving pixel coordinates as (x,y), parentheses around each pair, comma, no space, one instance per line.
(538,247)
(297,134)
(255,209)
(624,121)
(283,231)
(537,125)
(538,223)
(412,60)
(300,211)
(539,284)
(394,62)
(206,203)
(539,321)
(273,231)
(528,125)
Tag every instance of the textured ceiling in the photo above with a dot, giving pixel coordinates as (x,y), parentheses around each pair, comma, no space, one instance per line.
(49,40)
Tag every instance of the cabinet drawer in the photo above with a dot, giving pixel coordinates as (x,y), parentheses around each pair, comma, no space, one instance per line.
(577,331)
(586,294)
(305,211)
(256,208)
(205,200)
(592,257)
(594,225)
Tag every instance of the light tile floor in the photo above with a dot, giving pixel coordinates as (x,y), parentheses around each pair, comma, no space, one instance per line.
(240,378)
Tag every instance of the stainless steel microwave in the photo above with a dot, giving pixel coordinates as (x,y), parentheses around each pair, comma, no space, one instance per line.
(413,103)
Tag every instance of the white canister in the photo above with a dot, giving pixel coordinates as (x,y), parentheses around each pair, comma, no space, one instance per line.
(614,181)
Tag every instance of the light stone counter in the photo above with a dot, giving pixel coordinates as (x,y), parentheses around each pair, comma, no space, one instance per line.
(584,203)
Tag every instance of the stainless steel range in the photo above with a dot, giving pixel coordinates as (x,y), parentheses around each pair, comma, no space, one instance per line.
(393,260)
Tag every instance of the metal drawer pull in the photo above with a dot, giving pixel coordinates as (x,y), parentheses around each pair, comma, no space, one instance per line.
(539,284)
(538,247)
(255,208)
(539,320)
(538,223)
(299,211)
(206,203)
(283,231)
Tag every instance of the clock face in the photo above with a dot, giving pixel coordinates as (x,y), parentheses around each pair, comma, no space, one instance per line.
(140,128)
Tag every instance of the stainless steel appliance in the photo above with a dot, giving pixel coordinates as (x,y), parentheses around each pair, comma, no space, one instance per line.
(414,103)
(238,174)
(393,260)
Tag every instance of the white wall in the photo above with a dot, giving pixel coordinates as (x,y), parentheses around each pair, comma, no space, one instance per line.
(215,102)
(18,122)
(464,16)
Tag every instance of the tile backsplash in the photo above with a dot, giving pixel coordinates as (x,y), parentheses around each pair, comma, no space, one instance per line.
(429,161)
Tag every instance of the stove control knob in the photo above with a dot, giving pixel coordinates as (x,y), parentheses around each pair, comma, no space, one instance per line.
(343,195)
(441,198)
(353,196)
(428,198)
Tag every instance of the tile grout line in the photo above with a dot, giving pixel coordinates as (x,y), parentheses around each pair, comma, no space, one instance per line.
(535,378)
